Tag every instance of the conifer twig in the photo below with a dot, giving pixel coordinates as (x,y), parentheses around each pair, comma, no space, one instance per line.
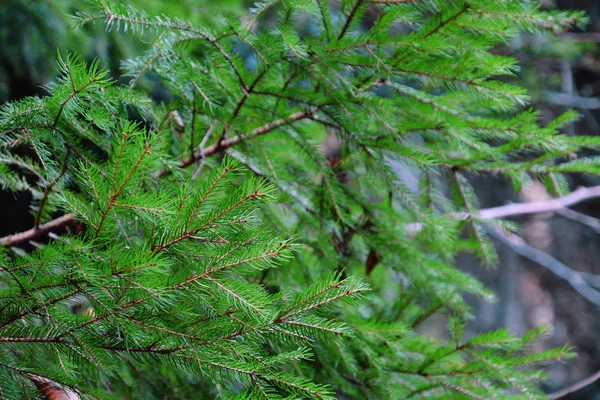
(225,144)
(350,18)
(47,190)
(166,272)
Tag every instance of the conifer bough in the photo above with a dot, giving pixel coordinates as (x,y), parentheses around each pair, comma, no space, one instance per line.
(238,276)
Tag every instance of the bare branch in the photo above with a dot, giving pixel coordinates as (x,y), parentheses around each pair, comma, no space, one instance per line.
(41,230)
(51,390)
(575,387)
(538,207)
(575,278)
(593,223)
(571,100)
(201,148)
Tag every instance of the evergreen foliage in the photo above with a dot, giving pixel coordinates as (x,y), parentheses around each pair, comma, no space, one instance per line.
(220,246)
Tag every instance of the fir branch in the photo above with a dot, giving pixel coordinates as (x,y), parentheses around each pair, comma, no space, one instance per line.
(193,278)
(445,22)
(260,9)
(466,199)
(35,147)
(21,314)
(238,108)
(325,16)
(115,192)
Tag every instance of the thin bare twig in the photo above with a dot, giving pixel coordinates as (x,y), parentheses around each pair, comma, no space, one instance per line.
(593,223)
(514,209)
(575,278)
(575,387)
(41,230)
(539,207)
(571,100)
(202,152)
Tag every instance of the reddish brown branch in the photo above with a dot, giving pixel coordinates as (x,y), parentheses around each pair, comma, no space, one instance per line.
(41,230)
(350,18)
(51,390)
(225,144)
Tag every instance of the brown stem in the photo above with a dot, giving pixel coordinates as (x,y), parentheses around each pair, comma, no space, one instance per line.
(193,127)
(350,18)
(225,144)
(41,230)
(238,108)
(47,191)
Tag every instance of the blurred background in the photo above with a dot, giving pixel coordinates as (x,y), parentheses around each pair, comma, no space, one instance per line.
(559,72)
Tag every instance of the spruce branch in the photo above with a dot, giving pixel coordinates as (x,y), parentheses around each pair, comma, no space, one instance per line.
(238,108)
(116,191)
